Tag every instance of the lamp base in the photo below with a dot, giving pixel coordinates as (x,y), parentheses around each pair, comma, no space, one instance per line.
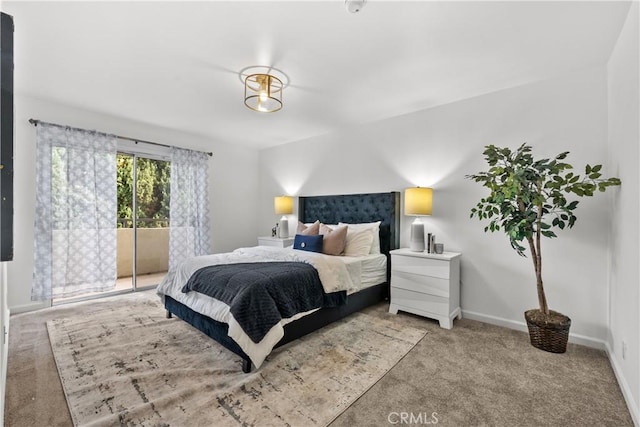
(417,236)
(283,228)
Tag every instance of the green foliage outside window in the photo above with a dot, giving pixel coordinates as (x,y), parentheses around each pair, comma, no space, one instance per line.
(153,180)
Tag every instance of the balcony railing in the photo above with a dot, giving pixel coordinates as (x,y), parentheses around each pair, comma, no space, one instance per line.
(152,246)
(144,222)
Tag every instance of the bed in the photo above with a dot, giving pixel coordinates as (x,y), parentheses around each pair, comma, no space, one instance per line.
(353,209)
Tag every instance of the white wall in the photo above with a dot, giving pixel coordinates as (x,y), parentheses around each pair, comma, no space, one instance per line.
(437,147)
(624,157)
(232,184)
(4,339)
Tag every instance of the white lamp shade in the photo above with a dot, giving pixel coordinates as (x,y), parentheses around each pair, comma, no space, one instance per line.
(283,205)
(418,201)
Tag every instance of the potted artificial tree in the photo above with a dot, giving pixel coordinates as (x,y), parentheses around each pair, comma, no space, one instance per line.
(527,201)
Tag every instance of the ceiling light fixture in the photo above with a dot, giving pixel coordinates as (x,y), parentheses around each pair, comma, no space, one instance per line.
(354,6)
(263,93)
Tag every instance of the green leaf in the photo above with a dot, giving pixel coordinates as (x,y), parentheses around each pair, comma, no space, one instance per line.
(520,187)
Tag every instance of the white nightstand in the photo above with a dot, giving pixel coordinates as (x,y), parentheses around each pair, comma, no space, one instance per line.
(275,241)
(426,284)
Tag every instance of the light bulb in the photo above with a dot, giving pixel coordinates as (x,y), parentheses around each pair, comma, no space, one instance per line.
(263,96)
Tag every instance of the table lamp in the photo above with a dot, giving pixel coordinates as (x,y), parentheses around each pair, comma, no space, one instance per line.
(283,205)
(417,202)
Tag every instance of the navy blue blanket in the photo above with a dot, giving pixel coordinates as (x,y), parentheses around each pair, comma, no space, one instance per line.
(260,294)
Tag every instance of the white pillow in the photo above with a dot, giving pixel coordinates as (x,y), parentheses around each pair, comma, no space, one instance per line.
(358,242)
(374,226)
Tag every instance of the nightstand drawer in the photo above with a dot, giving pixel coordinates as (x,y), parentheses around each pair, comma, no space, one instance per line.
(275,241)
(423,302)
(423,266)
(419,283)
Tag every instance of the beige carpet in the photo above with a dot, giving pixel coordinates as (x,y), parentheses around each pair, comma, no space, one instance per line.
(472,375)
(126,364)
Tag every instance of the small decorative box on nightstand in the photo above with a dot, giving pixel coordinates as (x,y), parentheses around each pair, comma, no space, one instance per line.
(426,284)
(275,241)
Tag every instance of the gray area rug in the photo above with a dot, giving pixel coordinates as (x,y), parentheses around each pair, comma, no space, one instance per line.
(128,365)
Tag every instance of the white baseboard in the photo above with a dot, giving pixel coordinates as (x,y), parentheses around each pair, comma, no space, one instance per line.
(624,386)
(30,307)
(522,326)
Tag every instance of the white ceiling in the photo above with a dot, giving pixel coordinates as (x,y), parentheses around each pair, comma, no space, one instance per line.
(176,64)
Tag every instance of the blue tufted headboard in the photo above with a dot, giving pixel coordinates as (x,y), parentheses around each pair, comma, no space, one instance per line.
(355,208)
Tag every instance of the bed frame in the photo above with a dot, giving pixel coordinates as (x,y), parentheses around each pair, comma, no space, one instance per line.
(352,208)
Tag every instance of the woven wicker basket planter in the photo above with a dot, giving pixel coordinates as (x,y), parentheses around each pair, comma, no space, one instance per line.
(550,334)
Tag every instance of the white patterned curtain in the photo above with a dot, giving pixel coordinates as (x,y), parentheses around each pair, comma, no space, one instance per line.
(76,209)
(188,206)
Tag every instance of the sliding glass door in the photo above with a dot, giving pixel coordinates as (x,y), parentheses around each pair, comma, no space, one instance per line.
(143,220)
(151,231)
(143,223)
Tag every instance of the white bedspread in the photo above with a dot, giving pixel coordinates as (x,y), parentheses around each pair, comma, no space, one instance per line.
(333,273)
